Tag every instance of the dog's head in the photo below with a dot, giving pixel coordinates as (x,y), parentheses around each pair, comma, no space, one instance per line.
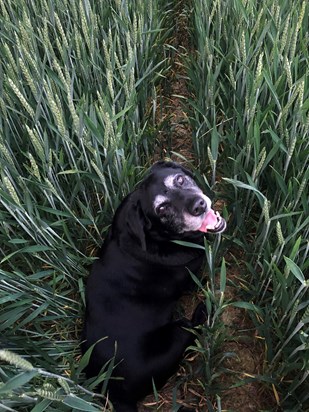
(171,205)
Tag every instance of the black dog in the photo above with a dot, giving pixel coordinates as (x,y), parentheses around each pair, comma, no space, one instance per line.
(140,274)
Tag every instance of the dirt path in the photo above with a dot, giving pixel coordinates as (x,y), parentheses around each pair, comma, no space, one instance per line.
(245,348)
(242,391)
(176,138)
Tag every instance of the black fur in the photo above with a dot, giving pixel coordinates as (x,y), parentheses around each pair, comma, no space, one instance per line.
(133,288)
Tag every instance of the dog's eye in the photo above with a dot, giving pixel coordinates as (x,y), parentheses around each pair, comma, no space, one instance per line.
(180,180)
(161,210)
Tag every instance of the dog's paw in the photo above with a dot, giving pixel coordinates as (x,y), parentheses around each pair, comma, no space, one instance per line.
(200,315)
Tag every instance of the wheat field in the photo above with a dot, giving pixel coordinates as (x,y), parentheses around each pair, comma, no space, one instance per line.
(81,84)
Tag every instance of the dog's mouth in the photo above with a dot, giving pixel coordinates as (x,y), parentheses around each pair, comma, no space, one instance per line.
(213,222)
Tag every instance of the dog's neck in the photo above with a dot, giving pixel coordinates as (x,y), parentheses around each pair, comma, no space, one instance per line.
(160,252)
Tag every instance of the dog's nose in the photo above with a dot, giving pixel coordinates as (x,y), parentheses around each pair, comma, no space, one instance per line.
(198,206)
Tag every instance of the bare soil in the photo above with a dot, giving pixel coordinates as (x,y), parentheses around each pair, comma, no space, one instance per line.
(176,138)
(238,394)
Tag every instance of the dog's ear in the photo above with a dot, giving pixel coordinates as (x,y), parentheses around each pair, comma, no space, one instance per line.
(137,223)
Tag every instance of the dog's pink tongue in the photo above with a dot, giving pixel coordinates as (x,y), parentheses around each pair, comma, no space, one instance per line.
(209,221)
